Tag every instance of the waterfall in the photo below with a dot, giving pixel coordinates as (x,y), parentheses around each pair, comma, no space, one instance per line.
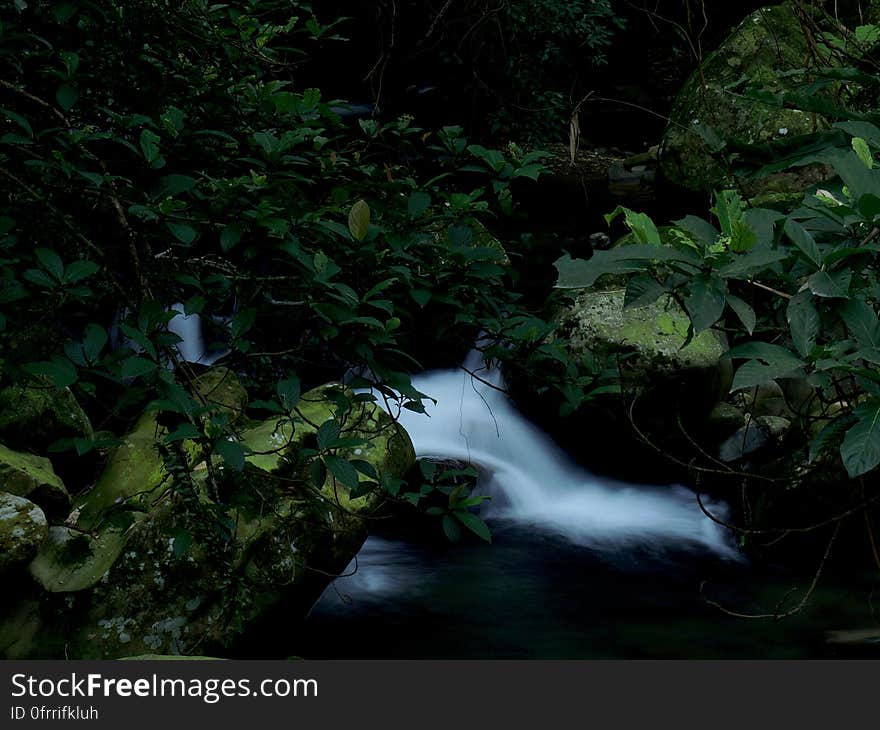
(192,348)
(533,482)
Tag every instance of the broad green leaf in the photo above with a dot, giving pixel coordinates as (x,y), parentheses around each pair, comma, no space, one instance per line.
(474,524)
(51,261)
(94,341)
(418,203)
(328,433)
(183,232)
(823,284)
(744,311)
(230,236)
(232,453)
(641,291)
(754,373)
(803,320)
(66,95)
(860,449)
(59,370)
(149,142)
(343,471)
(751,263)
(359,220)
(134,367)
(861,320)
(802,238)
(705,301)
(451,528)
(640,224)
(863,152)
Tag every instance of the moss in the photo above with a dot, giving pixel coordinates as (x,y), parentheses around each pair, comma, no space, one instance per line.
(73,561)
(656,333)
(221,389)
(768,43)
(27,475)
(131,479)
(31,419)
(23,528)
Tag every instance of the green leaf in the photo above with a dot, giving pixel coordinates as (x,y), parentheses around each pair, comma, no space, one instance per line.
(418,203)
(860,449)
(66,96)
(803,320)
(51,261)
(149,142)
(232,453)
(862,322)
(705,302)
(744,311)
(182,232)
(641,291)
(134,367)
(359,220)
(755,373)
(343,471)
(829,434)
(756,260)
(802,238)
(59,370)
(474,524)
(289,391)
(328,433)
(822,284)
(79,270)
(183,432)
(640,224)
(230,236)
(451,528)
(95,339)
(863,152)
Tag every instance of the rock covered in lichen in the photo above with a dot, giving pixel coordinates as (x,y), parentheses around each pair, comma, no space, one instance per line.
(712,105)
(33,418)
(653,336)
(31,476)
(155,567)
(23,528)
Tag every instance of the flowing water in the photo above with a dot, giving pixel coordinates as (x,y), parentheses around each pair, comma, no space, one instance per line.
(580,567)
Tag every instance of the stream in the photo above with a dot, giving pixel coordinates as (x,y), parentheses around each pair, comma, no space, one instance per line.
(579,567)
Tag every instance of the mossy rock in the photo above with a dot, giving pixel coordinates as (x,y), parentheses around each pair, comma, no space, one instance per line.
(27,475)
(654,336)
(160,576)
(133,474)
(23,528)
(766,45)
(33,418)
(221,389)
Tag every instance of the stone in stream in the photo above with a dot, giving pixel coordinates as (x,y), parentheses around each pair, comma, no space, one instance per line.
(23,528)
(31,476)
(33,418)
(151,569)
(712,106)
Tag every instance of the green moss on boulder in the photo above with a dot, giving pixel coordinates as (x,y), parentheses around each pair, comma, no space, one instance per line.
(23,528)
(766,45)
(27,475)
(31,419)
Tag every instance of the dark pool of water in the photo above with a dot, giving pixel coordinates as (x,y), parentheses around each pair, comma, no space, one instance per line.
(533,595)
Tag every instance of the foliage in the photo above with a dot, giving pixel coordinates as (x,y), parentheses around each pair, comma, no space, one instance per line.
(157,155)
(798,291)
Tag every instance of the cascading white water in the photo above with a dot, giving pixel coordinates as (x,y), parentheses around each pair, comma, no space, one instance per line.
(532,481)
(188,327)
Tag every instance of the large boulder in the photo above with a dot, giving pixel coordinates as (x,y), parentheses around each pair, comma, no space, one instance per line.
(652,337)
(23,528)
(33,418)
(664,382)
(31,476)
(766,45)
(159,566)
